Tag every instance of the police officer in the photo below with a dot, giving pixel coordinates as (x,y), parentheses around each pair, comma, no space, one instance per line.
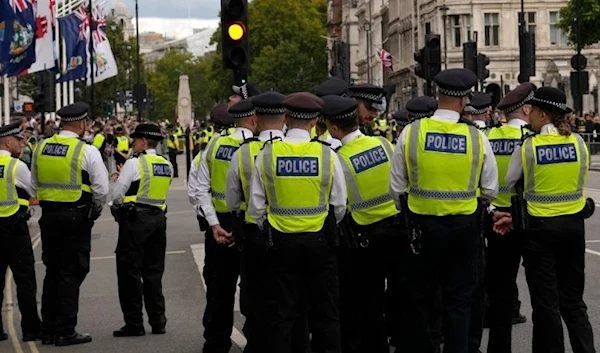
(554,165)
(302,258)
(478,110)
(122,147)
(402,120)
(504,251)
(370,100)
(245,91)
(222,262)
(139,201)
(421,107)
(373,222)
(443,204)
(173,149)
(333,86)
(269,122)
(72,185)
(15,244)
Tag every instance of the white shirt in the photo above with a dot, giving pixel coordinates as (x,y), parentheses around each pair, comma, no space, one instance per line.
(258,200)
(92,163)
(399,176)
(199,189)
(129,174)
(480,124)
(515,166)
(351,137)
(23,177)
(335,143)
(234,194)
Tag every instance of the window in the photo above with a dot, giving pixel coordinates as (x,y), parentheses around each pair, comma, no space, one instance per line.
(427,28)
(461,29)
(492,29)
(529,21)
(557,36)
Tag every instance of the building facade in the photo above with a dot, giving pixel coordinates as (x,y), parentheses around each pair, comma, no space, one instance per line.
(400,26)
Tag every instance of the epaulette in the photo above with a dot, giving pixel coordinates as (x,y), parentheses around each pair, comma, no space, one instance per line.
(137,154)
(337,149)
(248,140)
(526,132)
(316,139)
(270,141)
(462,120)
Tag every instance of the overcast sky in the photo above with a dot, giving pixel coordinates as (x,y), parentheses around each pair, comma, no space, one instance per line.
(201,9)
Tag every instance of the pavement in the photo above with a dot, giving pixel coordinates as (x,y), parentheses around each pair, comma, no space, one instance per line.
(184,289)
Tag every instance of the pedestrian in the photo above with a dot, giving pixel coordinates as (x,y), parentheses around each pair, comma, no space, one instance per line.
(15,243)
(253,245)
(139,203)
(370,100)
(373,223)
(71,182)
(300,227)
(206,189)
(553,227)
(440,162)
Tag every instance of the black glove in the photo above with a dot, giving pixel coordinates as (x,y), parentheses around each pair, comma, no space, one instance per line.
(589,208)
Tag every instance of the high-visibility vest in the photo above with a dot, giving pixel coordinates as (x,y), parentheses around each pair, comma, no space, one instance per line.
(218,157)
(289,168)
(444,162)
(246,156)
(58,161)
(503,141)
(10,202)
(382,123)
(555,170)
(171,140)
(98,140)
(313,132)
(156,174)
(123,144)
(366,162)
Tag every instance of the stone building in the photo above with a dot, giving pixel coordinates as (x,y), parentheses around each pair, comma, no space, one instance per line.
(119,14)
(399,26)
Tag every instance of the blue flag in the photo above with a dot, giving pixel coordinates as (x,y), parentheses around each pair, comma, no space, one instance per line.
(75,31)
(17,36)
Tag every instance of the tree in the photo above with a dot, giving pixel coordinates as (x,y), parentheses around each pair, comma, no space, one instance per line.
(590,13)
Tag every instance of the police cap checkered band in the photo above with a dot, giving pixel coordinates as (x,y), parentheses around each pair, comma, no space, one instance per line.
(518,105)
(149,133)
(420,115)
(371,97)
(241,115)
(74,118)
(402,122)
(12,132)
(244,92)
(301,115)
(561,106)
(269,111)
(453,92)
(348,115)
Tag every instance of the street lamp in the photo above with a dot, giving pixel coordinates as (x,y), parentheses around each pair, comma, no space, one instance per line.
(444,10)
(113,28)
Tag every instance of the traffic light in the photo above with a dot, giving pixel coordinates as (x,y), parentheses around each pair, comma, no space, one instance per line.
(470,56)
(39,102)
(482,62)
(434,54)
(234,31)
(421,65)
(108,108)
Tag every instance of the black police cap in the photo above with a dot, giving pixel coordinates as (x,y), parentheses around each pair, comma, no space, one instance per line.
(13,129)
(479,103)
(371,94)
(339,108)
(421,107)
(550,99)
(455,82)
(220,116)
(303,105)
(333,86)
(246,90)
(242,109)
(147,131)
(74,112)
(401,117)
(516,98)
(269,103)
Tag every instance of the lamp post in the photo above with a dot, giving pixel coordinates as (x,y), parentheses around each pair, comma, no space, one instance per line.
(113,28)
(137,40)
(444,10)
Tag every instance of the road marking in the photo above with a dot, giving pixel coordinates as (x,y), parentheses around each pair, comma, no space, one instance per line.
(236,336)
(112,257)
(592,252)
(592,241)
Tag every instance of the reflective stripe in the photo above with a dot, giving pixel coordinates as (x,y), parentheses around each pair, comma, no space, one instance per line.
(210,150)
(144,197)
(245,155)
(531,195)
(300,211)
(441,194)
(504,188)
(218,195)
(10,186)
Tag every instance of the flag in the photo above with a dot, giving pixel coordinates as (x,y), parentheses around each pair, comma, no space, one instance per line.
(75,32)
(386,60)
(17,36)
(44,36)
(105,65)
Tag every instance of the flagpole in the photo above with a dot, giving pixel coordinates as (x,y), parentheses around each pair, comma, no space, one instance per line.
(6,101)
(92,89)
(137,44)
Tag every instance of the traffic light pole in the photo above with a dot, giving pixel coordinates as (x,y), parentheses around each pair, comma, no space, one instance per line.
(579,96)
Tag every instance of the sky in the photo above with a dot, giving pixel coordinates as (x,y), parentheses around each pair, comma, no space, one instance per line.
(198,9)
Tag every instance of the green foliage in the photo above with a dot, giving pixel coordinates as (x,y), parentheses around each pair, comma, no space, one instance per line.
(590,13)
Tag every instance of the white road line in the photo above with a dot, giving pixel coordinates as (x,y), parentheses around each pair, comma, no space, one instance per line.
(236,336)
(112,257)
(592,241)
(592,252)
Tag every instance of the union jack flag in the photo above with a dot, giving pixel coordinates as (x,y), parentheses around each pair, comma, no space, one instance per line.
(84,26)
(100,20)
(19,5)
(386,60)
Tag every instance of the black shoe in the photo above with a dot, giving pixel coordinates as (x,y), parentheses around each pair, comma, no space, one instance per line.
(30,337)
(47,338)
(520,319)
(3,336)
(128,331)
(159,330)
(75,338)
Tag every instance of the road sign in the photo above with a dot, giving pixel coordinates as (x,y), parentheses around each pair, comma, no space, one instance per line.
(578,65)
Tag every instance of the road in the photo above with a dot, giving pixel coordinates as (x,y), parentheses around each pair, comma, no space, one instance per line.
(185,293)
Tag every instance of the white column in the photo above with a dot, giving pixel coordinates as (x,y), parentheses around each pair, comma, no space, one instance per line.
(6,101)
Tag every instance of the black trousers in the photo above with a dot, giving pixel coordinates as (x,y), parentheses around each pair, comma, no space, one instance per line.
(554,260)
(173,160)
(221,271)
(479,303)
(304,271)
(450,249)
(66,245)
(140,257)
(364,326)
(503,260)
(16,252)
